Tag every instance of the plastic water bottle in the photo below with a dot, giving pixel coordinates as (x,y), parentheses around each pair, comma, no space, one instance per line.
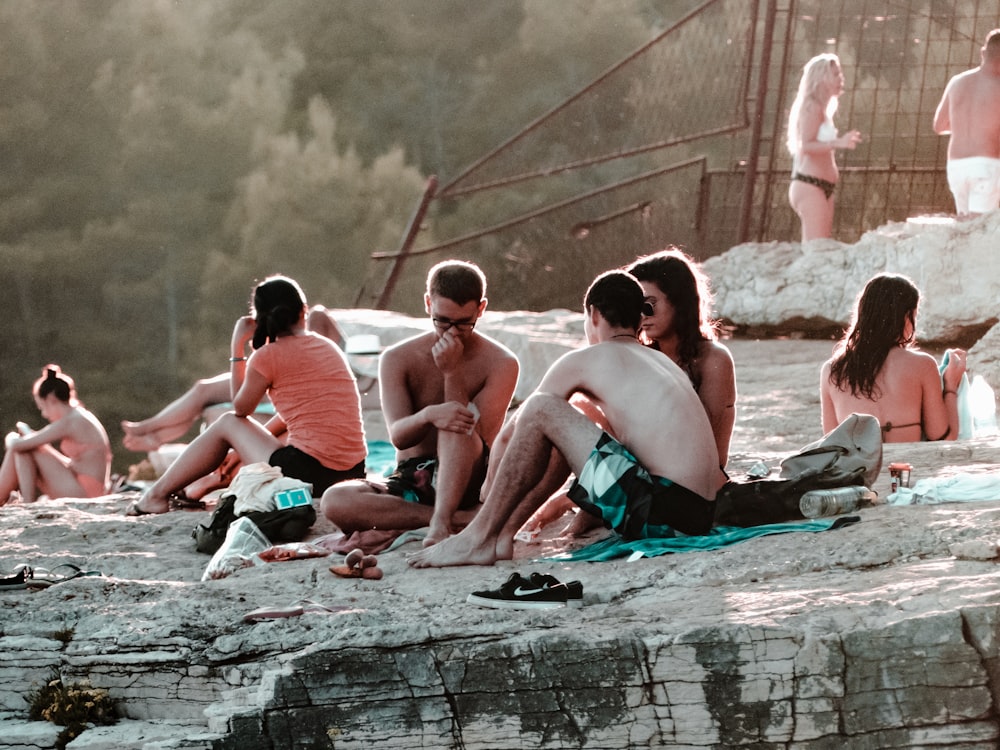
(983,405)
(833,502)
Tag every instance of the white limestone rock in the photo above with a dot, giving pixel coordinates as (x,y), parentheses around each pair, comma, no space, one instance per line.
(956,265)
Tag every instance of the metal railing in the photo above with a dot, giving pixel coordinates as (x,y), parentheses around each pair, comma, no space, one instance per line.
(699,115)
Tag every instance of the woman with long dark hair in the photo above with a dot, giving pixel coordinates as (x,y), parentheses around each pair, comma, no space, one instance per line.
(678,322)
(876,369)
(308,379)
(32,464)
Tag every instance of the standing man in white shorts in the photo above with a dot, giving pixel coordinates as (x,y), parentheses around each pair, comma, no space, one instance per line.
(970,112)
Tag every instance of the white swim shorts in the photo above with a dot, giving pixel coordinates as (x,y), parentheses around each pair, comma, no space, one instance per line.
(975,183)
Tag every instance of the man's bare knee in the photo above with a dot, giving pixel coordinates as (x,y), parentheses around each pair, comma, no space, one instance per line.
(540,406)
(342,497)
(543,411)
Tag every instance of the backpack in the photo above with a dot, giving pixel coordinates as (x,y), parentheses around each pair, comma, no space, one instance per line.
(279,526)
(850,454)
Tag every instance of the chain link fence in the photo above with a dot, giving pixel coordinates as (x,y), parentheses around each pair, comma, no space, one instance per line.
(699,116)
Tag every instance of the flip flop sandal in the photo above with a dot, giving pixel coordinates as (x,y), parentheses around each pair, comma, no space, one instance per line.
(370,574)
(120,485)
(41,578)
(17,581)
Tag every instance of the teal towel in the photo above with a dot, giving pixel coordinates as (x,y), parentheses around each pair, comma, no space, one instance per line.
(381,458)
(614,546)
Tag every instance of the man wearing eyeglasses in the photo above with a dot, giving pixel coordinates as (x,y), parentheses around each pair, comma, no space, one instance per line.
(652,473)
(444,396)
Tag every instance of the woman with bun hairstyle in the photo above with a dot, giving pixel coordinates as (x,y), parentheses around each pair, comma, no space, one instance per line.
(309,381)
(71,457)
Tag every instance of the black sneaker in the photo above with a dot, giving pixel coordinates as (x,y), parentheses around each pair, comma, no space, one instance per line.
(520,593)
(573,590)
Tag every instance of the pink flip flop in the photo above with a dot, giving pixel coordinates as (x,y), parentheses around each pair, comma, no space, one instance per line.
(301,607)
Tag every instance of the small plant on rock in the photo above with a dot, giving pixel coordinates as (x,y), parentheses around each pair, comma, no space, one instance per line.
(71,706)
(64,636)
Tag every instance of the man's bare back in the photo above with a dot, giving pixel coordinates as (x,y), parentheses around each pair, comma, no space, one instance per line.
(970,112)
(658,416)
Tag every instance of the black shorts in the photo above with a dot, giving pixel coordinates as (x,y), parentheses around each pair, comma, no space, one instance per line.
(414,480)
(300,465)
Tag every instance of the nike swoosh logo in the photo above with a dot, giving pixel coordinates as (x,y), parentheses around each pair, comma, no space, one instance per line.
(526,592)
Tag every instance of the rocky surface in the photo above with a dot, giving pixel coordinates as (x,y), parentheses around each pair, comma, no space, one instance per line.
(882,634)
(795,286)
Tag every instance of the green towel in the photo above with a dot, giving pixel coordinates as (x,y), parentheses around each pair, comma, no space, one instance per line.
(614,546)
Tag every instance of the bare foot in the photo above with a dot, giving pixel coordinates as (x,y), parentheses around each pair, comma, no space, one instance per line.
(202,486)
(148,505)
(455,550)
(435,534)
(134,428)
(141,443)
(581,524)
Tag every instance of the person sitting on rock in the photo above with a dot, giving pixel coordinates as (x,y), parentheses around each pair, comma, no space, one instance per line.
(444,395)
(678,323)
(676,320)
(876,369)
(658,476)
(177,417)
(315,395)
(79,467)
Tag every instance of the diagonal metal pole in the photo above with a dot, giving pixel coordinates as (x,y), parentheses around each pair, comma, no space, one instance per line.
(408,238)
(757,123)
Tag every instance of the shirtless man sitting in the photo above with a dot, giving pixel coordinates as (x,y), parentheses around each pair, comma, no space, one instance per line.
(444,396)
(970,111)
(660,474)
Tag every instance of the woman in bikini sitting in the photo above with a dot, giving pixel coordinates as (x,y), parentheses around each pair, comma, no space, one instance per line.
(812,140)
(876,369)
(32,464)
(679,323)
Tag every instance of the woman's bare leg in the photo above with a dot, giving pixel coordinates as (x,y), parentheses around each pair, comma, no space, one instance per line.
(8,476)
(320,320)
(814,209)
(47,470)
(245,436)
(176,418)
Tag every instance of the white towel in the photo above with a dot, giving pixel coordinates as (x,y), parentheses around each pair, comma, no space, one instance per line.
(255,486)
(959,488)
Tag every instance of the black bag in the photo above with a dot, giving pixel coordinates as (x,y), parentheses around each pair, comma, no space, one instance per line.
(279,526)
(850,454)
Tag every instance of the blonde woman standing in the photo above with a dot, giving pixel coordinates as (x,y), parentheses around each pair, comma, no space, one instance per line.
(812,141)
